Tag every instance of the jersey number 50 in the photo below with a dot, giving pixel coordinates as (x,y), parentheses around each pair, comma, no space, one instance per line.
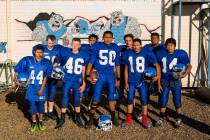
(104,59)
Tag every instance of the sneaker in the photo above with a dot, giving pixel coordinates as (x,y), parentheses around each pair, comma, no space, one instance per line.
(34,127)
(41,126)
(79,121)
(127,122)
(52,116)
(178,123)
(60,123)
(145,122)
(45,117)
(115,121)
(160,122)
(89,123)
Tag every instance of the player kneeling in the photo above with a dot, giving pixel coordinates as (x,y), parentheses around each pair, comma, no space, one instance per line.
(74,63)
(175,65)
(137,61)
(38,69)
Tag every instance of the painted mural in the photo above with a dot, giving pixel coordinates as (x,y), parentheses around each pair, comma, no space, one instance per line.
(3,47)
(44,24)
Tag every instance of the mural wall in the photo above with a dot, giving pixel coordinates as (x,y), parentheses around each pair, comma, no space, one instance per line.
(32,21)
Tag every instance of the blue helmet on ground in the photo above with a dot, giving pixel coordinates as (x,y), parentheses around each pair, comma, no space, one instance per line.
(58,72)
(178,69)
(104,123)
(149,73)
(23,80)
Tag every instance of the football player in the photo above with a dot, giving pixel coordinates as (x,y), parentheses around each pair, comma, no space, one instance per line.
(74,62)
(106,58)
(128,38)
(92,39)
(38,69)
(51,53)
(155,43)
(137,61)
(167,60)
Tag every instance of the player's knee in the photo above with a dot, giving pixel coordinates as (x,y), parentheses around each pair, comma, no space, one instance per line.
(94,105)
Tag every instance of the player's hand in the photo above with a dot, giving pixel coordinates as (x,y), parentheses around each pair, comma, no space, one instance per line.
(82,88)
(127,87)
(182,76)
(160,88)
(91,80)
(40,92)
(117,84)
(55,65)
(155,78)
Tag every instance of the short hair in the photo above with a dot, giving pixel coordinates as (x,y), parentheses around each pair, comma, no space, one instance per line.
(155,34)
(137,40)
(93,36)
(76,39)
(170,40)
(129,35)
(107,32)
(38,47)
(51,37)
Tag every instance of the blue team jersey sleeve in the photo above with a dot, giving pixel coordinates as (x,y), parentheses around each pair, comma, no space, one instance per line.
(21,66)
(93,53)
(117,62)
(183,57)
(152,58)
(49,68)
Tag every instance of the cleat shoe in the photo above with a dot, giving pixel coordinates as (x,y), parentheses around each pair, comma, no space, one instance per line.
(41,126)
(60,123)
(127,122)
(45,117)
(52,116)
(160,122)
(34,127)
(115,121)
(178,123)
(89,123)
(145,122)
(79,122)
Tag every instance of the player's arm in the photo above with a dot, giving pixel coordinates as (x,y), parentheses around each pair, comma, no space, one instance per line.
(185,60)
(19,68)
(42,87)
(158,77)
(117,69)
(126,78)
(82,88)
(188,70)
(158,69)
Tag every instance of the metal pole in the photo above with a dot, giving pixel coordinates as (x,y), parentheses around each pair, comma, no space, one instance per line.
(209,50)
(163,21)
(8,19)
(190,46)
(180,22)
(172,18)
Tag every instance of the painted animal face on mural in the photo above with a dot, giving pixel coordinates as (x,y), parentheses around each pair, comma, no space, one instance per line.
(117,18)
(55,22)
(39,33)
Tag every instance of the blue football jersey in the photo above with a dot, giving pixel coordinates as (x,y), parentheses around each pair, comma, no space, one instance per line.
(137,62)
(85,47)
(167,61)
(150,47)
(73,64)
(53,54)
(37,72)
(105,57)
